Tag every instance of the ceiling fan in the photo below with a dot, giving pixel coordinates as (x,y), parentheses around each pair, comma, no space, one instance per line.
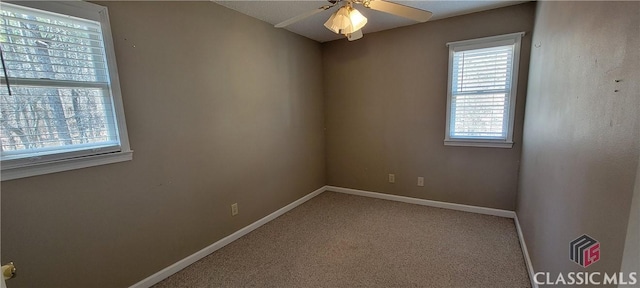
(349,22)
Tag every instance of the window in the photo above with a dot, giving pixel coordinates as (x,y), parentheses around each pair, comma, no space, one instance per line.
(60,97)
(481,95)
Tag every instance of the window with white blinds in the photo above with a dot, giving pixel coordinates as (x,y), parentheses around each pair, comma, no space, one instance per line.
(60,99)
(481,92)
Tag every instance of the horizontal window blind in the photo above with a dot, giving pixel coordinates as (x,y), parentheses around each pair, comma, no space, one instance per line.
(480,92)
(56,100)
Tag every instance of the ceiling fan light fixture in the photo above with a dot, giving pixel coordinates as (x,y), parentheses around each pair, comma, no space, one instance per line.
(345,21)
(357,20)
(336,22)
(348,21)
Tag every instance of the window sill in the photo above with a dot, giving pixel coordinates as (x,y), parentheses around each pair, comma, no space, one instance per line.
(65,165)
(479,143)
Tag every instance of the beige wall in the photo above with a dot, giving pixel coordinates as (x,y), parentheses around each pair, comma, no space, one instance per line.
(220,107)
(581,139)
(386,102)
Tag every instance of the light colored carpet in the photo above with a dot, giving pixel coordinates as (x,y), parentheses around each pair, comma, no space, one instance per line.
(339,240)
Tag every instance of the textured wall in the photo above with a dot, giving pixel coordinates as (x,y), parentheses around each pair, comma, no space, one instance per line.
(386,104)
(220,107)
(581,139)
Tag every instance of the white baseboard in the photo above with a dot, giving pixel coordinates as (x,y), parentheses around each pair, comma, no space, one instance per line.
(525,252)
(166,272)
(424,202)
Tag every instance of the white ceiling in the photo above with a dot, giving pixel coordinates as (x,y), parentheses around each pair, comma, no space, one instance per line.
(313,27)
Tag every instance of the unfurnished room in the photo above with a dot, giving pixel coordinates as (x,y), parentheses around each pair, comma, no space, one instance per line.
(340,143)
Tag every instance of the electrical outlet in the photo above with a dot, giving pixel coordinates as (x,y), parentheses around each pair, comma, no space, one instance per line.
(420,181)
(234,209)
(392,178)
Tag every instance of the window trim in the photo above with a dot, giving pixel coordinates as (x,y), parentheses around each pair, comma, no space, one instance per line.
(479,43)
(90,11)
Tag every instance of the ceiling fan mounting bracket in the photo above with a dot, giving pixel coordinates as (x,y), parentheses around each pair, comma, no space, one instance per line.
(363,2)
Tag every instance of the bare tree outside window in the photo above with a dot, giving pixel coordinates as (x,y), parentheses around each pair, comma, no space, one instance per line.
(58,79)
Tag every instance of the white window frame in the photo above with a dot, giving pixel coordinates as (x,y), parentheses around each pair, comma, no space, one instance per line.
(480,43)
(100,14)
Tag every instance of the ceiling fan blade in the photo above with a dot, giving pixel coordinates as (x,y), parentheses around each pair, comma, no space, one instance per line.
(302,16)
(355,35)
(400,10)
